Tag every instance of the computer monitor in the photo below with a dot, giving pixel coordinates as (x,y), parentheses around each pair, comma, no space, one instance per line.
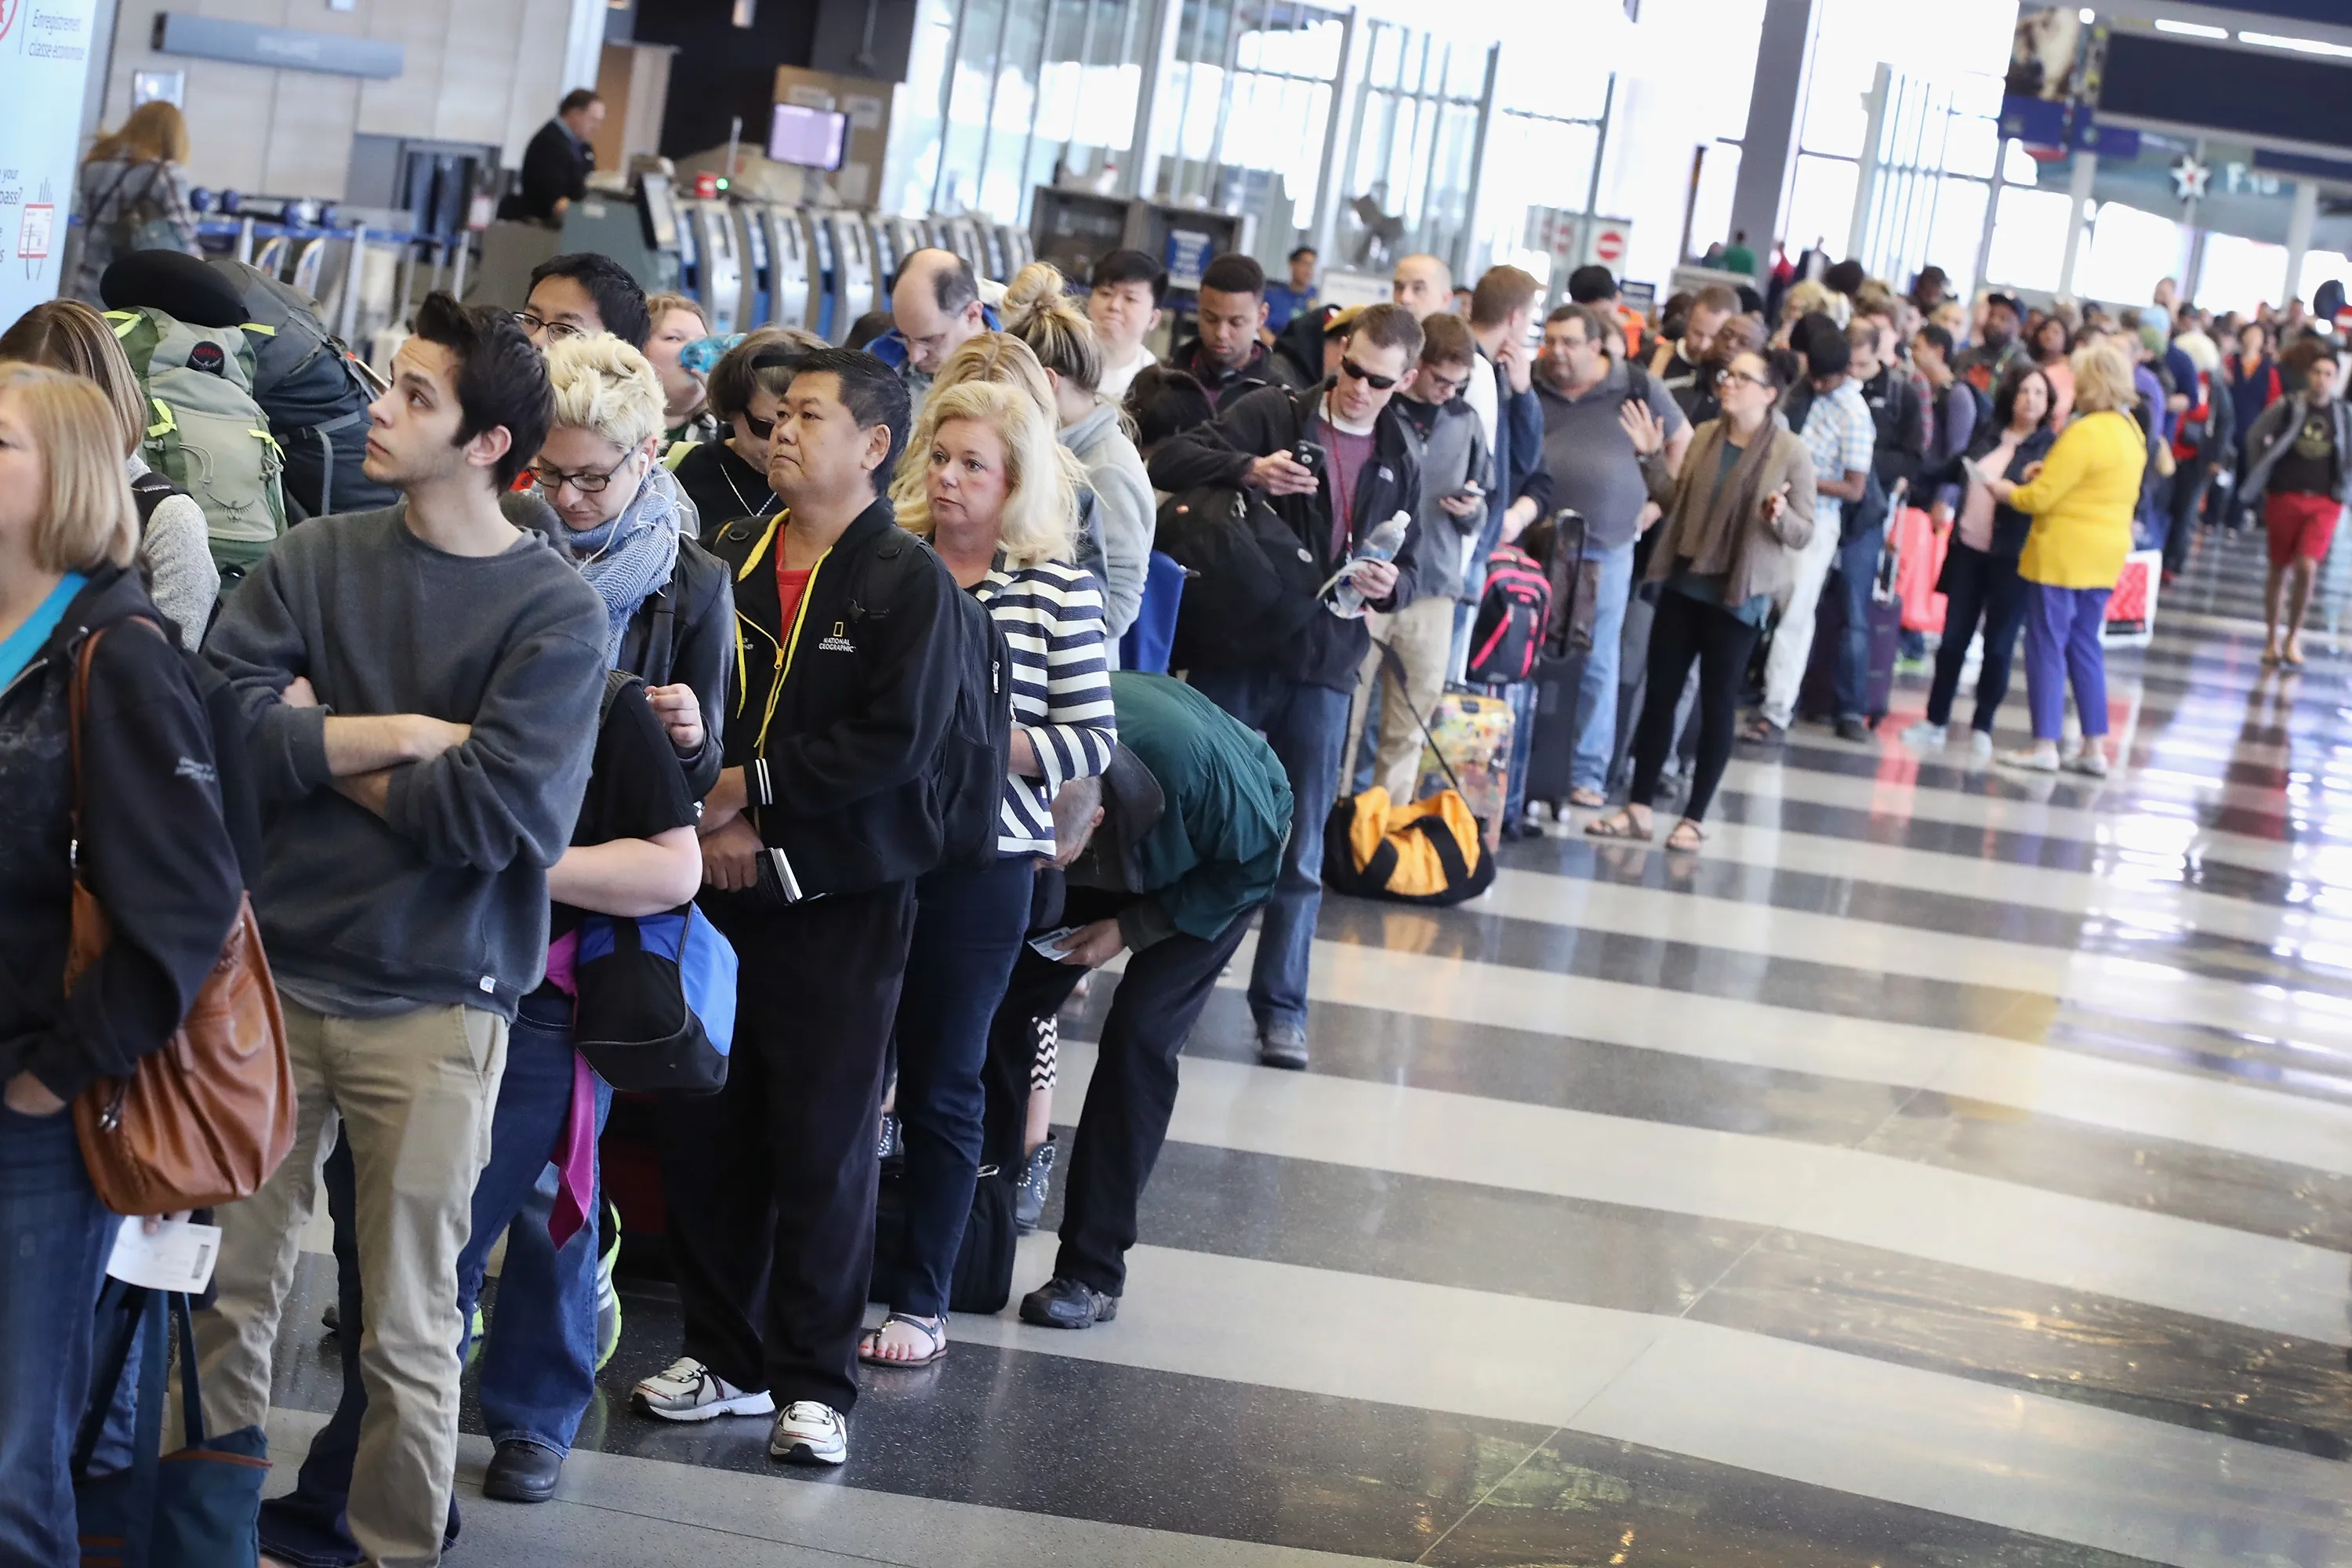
(811,138)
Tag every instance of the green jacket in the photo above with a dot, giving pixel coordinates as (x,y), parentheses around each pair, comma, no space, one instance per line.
(1216,849)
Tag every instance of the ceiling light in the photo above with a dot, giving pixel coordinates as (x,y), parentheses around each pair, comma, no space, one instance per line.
(2299,45)
(2190,29)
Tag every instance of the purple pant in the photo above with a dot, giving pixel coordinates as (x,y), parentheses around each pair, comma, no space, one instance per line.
(2062,640)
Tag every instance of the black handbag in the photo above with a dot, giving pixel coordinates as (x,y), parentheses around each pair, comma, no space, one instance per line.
(655,1001)
(982,1278)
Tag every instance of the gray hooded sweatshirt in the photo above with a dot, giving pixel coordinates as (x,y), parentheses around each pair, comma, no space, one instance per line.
(1124,513)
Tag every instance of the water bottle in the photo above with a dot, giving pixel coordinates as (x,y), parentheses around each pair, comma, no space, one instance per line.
(1347,599)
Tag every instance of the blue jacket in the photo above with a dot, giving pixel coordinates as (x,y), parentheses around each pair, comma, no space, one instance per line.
(1518,453)
(890,348)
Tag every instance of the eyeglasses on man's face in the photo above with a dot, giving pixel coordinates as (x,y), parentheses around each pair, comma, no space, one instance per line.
(556,330)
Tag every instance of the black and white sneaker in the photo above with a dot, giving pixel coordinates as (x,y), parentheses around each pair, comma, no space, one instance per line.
(1035,1187)
(690,1391)
(808,1433)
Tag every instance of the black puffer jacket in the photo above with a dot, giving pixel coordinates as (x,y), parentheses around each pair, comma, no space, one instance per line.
(154,846)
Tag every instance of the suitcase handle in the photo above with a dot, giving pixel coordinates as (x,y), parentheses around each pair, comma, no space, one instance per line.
(1396,668)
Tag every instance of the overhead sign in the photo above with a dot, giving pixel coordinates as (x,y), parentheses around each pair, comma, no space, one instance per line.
(1608,241)
(44,70)
(291,48)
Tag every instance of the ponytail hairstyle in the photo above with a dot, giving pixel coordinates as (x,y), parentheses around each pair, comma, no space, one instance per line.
(1038,311)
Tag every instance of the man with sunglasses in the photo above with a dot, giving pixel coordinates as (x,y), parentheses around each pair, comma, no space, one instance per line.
(1263,641)
(1456,474)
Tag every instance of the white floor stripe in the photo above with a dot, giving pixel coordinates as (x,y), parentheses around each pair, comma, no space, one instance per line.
(1869,1200)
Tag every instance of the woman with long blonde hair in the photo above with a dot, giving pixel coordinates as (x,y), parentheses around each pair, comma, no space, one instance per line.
(985,482)
(133,195)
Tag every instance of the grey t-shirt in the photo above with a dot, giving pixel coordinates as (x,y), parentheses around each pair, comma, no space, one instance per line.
(1590,458)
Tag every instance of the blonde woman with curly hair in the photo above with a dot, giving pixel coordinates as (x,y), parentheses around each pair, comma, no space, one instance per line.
(2081,499)
(1118,504)
(984,481)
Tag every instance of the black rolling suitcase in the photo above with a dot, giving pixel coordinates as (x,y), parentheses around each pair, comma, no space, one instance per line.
(1560,669)
(1817,697)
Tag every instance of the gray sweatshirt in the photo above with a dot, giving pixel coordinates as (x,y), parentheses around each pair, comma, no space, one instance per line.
(444,899)
(1124,510)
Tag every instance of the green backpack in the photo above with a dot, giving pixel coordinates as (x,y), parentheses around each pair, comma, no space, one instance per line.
(205,433)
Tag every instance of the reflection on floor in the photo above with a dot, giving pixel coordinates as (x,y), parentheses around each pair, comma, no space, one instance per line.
(1950,1167)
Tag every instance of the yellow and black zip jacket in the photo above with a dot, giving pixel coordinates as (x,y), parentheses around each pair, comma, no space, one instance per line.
(837,718)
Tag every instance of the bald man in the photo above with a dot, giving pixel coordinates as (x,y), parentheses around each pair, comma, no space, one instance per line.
(1422,285)
(935,309)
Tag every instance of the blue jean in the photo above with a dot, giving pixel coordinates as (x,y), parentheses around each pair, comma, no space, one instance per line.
(969,922)
(1596,697)
(2062,640)
(539,1358)
(1307,726)
(1857,569)
(1521,696)
(542,1381)
(54,1236)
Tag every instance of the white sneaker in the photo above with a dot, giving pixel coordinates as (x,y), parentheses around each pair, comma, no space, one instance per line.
(808,1433)
(1927,737)
(2033,759)
(690,1391)
(2090,762)
(1979,743)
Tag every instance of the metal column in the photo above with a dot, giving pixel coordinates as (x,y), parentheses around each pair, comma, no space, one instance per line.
(1775,109)
(1461,260)
(1338,131)
(2298,237)
(2078,196)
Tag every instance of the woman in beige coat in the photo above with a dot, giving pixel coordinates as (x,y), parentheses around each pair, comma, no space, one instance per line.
(1737,515)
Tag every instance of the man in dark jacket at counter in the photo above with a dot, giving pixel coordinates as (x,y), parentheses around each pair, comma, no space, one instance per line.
(556,165)
(1262,641)
(1167,853)
(850,638)
(422,684)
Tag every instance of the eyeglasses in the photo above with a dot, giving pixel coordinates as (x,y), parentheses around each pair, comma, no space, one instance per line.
(557,330)
(553,480)
(1357,372)
(1445,385)
(1726,376)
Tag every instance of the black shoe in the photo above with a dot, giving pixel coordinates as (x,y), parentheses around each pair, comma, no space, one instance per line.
(523,1471)
(1064,1303)
(1035,1187)
(1852,730)
(1283,1045)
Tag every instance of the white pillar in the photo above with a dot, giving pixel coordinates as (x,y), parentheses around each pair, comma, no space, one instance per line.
(1776,107)
(2298,237)
(2078,199)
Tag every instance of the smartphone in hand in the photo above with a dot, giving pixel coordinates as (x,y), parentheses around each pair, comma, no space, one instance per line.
(1308,454)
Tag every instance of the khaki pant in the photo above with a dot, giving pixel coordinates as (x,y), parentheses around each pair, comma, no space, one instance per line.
(414,1093)
(1422,635)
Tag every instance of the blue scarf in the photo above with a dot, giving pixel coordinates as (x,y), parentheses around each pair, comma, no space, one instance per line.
(630,558)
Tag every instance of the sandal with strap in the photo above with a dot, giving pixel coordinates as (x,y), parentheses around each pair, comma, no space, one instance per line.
(1763,732)
(869,1348)
(1687,836)
(1619,824)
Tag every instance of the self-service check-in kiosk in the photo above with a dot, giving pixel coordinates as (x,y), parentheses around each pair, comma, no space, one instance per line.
(794,297)
(714,272)
(1014,243)
(962,234)
(850,284)
(751,244)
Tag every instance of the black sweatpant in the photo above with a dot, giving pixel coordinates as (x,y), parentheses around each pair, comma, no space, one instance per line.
(1133,1091)
(770,1184)
(1686,629)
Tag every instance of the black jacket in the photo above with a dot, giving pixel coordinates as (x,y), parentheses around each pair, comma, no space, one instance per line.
(843,776)
(1313,645)
(686,632)
(154,845)
(1265,368)
(1902,423)
(554,167)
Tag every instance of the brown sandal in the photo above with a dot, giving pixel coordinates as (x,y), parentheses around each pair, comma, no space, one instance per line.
(1620,824)
(1687,837)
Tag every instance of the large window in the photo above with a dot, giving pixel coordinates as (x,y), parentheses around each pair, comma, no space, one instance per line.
(1406,182)
(2130,252)
(2239,274)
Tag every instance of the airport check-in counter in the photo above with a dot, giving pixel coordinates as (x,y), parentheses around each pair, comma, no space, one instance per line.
(794,291)
(962,234)
(1014,243)
(714,267)
(851,289)
(751,244)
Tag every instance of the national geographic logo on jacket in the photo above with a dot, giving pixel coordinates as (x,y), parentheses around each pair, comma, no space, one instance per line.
(837,640)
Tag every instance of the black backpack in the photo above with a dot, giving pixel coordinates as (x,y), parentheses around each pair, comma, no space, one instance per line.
(1513,610)
(314,392)
(1248,591)
(976,756)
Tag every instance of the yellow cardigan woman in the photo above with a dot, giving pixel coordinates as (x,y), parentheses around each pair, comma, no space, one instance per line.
(2081,499)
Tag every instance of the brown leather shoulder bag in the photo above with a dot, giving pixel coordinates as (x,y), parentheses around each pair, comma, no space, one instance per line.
(206,1119)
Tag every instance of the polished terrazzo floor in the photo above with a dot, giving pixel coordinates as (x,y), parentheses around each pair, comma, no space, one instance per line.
(1951,1168)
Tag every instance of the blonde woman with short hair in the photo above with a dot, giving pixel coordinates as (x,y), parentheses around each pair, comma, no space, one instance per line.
(149,844)
(133,195)
(1041,312)
(2081,499)
(175,546)
(623,519)
(984,481)
(677,320)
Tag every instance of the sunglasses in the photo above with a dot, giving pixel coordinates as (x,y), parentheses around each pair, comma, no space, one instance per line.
(1357,372)
(760,430)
